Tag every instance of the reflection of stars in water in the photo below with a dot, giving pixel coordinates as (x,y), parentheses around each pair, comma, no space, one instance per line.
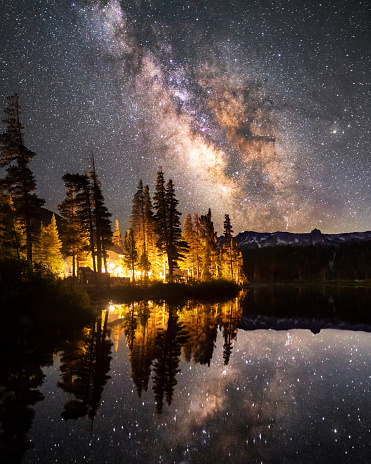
(293,391)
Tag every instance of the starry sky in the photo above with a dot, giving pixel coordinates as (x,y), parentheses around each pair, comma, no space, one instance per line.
(258,109)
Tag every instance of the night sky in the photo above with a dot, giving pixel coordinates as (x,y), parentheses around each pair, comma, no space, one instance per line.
(259,109)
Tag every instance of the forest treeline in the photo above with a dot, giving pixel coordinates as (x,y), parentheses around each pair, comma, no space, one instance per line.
(347,261)
(155,247)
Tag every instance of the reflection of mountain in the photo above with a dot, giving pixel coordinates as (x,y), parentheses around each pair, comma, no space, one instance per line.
(156,335)
(285,307)
(84,368)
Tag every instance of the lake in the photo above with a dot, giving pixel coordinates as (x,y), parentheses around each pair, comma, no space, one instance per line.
(200,383)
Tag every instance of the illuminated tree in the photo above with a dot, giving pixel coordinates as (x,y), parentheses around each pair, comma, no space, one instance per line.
(150,249)
(92,212)
(130,252)
(77,208)
(75,235)
(137,216)
(116,237)
(231,257)
(102,222)
(143,225)
(48,247)
(19,181)
(169,234)
(191,236)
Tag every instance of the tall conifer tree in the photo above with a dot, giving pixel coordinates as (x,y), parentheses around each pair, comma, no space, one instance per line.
(10,229)
(130,252)
(48,247)
(102,221)
(19,181)
(209,247)
(167,222)
(116,237)
(75,235)
(228,244)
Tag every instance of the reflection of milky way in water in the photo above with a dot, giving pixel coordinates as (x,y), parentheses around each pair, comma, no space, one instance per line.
(299,394)
(254,109)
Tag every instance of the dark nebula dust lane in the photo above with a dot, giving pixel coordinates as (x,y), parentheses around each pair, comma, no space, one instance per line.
(256,109)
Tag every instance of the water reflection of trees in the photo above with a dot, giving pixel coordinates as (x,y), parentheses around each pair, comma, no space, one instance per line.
(157,335)
(85,362)
(168,348)
(21,376)
(27,344)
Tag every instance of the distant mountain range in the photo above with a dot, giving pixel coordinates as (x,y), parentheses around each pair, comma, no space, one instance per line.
(251,239)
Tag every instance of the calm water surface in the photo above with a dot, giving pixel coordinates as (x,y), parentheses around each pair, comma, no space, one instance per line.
(186,385)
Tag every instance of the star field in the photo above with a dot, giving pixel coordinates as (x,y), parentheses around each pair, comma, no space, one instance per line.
(301,395)
(257,109)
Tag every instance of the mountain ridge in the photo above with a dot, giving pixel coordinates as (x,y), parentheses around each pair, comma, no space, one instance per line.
(251,239)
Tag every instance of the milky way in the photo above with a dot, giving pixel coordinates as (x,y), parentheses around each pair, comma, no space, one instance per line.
(256,109)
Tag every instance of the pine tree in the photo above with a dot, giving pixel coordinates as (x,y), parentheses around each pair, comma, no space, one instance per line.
(92,212)
(160,216)
(210,258)
(176,246)
(167,218)
(228,244)
(48,247)
(137,217)
(75,234)
(54,246)
(230,255)
(188,237)
(150,250)
(130,252)
(116,237)
(143,225)
(10,229)
(19,181)
(103,231)
(191,236)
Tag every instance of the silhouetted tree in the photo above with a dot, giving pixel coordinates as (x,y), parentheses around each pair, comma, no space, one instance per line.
(10,229)
(210,256)
(19,181)
(85,363)
(102,222)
